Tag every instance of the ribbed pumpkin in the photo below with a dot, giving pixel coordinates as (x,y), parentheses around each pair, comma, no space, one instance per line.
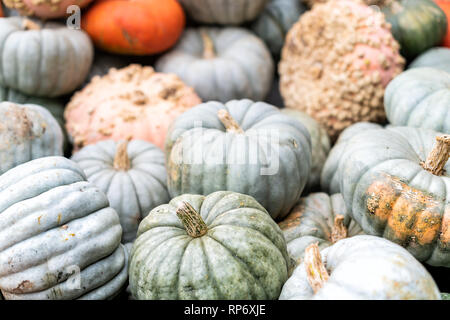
(130,103)
(438,58)
(420,97)
(242,146)
(44,9)
(396,182)
(131,174)
(59,239)
(221,64)
(360,268)
(222,246)
(135,27)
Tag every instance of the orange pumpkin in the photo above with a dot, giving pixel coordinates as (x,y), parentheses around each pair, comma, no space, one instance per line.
(445,6)
(134,27)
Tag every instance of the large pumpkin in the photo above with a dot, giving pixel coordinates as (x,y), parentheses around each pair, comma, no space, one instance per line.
(396,182)
(131,174)
(130,103)
(44,9)
(221,64)
(420,97)
(222,246)
(360,268)
(242,146)
(59,239)
(136,27)
(438,58)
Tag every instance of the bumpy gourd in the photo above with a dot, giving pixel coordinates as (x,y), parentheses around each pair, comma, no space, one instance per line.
(45,9)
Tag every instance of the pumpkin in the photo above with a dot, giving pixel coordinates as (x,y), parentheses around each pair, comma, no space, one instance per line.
(44,9)
(59,237)
(134,102)
(438,58)
(242,146)
(320,144)
(221,64)
(397,184)
(219,247)
(275,21)
(360,268)
(445,6)
(29,68)
(224,11)
(335,65)
(318,218)
(419,97)
(138,27)
(131,174)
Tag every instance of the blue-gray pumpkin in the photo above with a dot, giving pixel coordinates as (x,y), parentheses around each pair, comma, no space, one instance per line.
(438,58)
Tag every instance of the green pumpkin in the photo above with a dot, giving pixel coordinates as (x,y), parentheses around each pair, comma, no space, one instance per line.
(219,247)
(438,58)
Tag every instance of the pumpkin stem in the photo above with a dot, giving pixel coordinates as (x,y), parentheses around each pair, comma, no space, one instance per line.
(316,272)
(208,46)
(339,231)
(230,124)
(439,156)
(192,221)
(28,24)
(121,159)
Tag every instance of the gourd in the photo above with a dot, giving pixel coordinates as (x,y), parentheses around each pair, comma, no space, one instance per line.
(335,66)
(44,9)
(419,98)
(42,59)
(59,239)
(221,64)
(217,247)
(131,174)
(438,58)
(317,218)
(396,183)
(223,11)
(360,268)
(242,146)
(138,27)
(134,102)
(27,132)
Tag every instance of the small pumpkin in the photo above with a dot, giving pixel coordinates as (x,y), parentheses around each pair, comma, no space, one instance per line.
(438,58)
(221,64)
(137,27)
(242,146)
(222,246)
(44,9)
(131,174)
(29,68)
(360,268)
(59,239)
(134,102)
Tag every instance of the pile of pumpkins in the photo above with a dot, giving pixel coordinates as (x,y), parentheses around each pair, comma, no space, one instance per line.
(213,149)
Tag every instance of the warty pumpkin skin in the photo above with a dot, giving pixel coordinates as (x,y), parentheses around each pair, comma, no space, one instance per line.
(221,64)
(360,268)
(438,58)
(242,146)
(44,9)
(219,247)
(131,174)
(396,183)
(54,223)
(134,27)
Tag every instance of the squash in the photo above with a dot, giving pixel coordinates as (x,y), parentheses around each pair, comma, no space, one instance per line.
(224,246)
(27,132)
(438,58)
(134,102)
(275,21)
(317,218)
(44,9)
(59,239)
(397,184)
(137,27)
(223,11)
(445,6)
(131,174)
(419,97)
(360,268)
(29,68)
(335,67)
(221,64)
(242,146)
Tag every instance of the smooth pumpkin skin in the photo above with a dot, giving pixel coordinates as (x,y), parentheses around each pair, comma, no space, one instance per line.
(365,268)
(419,97)
(46,9)
(137,27)
(242,256)
(438,58)
(391,195)
(68,222)
(201,160)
